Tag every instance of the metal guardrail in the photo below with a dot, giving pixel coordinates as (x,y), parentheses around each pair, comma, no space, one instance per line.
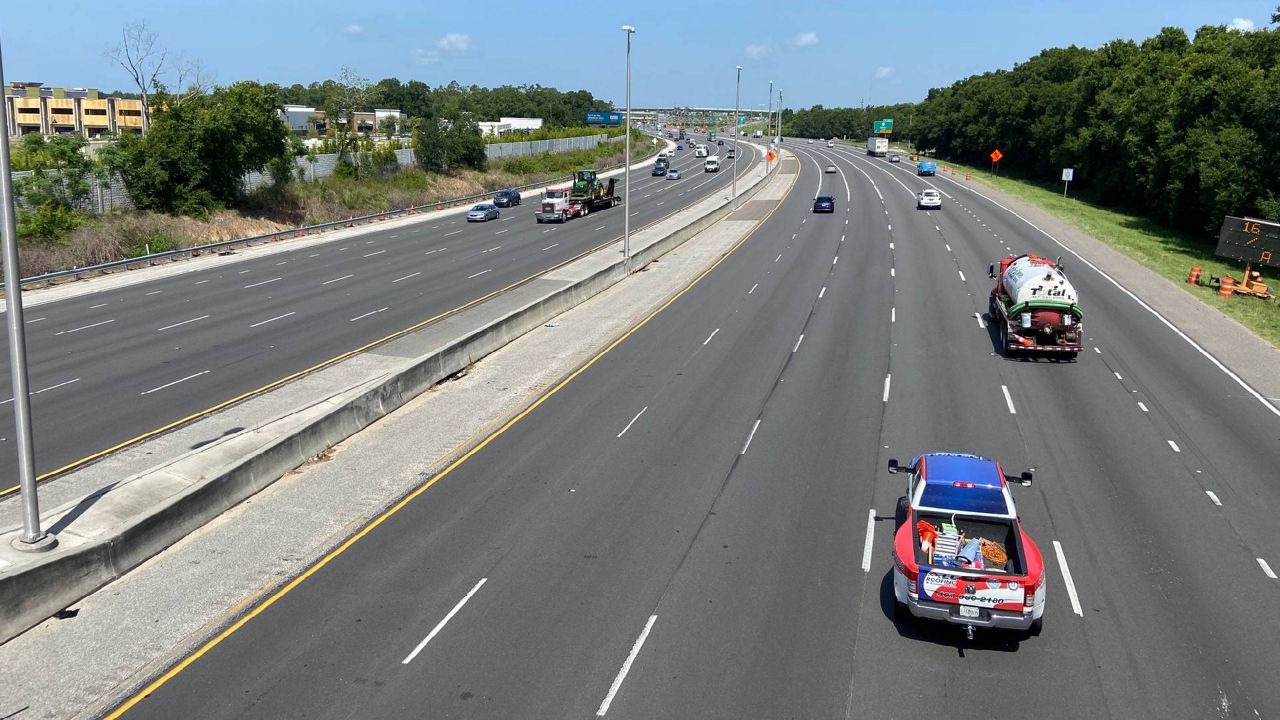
(196,251)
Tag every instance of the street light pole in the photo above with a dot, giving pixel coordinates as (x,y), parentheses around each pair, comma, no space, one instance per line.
(779,117)
(32,538)
(737,130)
(768,125)
(626,177)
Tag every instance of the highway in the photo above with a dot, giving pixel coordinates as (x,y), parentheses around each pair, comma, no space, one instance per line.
(699,524)
(108,366)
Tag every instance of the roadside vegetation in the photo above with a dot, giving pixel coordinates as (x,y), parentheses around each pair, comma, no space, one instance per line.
(184,175)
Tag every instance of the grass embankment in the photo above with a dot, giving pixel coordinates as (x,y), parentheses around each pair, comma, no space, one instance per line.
(128,234)
(1167,252)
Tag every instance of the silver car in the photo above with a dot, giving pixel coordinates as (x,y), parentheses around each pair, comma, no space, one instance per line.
(483,212)
(673,174)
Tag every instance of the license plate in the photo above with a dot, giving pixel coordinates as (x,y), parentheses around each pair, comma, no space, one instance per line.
(970,612)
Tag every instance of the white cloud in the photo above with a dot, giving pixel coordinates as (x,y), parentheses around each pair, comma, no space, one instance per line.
(1242,25)
(353,29)
(756,52)
(425,57)
(805,39)
(455,43)
(883,72)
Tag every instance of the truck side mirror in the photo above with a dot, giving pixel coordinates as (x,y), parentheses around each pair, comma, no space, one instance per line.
(1026,478)
(991,271)
(893,466)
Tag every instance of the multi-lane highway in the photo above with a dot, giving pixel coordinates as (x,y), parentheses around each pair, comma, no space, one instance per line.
(724,551)
(108,366)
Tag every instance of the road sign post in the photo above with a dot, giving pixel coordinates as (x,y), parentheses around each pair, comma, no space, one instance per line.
(995,160)
(1067,175)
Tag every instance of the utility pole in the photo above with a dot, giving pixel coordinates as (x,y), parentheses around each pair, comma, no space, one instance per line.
(33,538)
(768,125)
(737,130)
(626,177)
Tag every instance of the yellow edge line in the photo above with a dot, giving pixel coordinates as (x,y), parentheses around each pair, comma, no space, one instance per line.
(217,639)
(320,365)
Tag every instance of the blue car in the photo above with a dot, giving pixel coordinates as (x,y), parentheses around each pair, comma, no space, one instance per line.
(824,204)
(927,167)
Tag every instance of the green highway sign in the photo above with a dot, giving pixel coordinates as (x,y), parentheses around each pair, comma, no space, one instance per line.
(882,126)
(742,120)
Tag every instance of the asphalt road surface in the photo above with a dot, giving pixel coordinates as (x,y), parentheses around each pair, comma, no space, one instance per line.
(682,530)
(108,366)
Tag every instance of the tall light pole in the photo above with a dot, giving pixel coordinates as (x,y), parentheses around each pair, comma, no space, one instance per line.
(768,125)
(779,117)
(737,130)
(32,537)
(626,176)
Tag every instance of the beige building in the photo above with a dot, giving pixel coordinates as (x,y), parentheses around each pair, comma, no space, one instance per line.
(32,108)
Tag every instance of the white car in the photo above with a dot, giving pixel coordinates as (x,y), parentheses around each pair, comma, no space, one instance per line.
(810,141)
(831,143)
(929,199)
(673,174)
(831,168)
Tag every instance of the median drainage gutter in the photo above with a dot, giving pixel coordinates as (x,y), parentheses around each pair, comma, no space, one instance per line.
(105,533)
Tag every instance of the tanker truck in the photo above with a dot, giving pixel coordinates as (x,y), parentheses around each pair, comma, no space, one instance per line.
(1035,307)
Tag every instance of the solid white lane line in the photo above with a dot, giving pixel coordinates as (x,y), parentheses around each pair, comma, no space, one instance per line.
(822,292)
(440,625)
(713,334)
(264,282)
(981,324)
(549,247)
(753,288)
(888,380)
(361,317)
(496,247)
(1142,407)
(175,382)
(1008,400)
(866,545)
(455,232)
(479,273)
(154,292)
(750,435)
(1066,578)
(637,417)
(1174,445)
(893,314)
(344,277)
(778,258)
(51,387)
(406,277)
(1213,497)
(84,327)
(379,252)
(798,341)
(626,667)
(95,307)
(184,322)
(1266,568)
(961,275)
(278,317)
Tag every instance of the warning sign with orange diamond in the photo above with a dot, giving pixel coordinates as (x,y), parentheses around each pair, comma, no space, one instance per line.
(996,155)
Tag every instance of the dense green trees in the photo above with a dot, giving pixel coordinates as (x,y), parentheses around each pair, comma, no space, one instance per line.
(55,189)
(197,151)
(1183,130)
(442,144)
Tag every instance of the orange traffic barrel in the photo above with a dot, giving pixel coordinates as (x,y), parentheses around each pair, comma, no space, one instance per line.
(968,176)
(1193,277)
(1227,286)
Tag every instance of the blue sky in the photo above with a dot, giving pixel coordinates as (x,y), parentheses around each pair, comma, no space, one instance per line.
(817,51)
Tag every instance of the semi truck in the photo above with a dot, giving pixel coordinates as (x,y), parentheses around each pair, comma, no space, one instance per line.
(877,146)
(587,193)
(1035,306)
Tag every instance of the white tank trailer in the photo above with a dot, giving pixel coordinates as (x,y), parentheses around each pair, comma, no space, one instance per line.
(1035,306)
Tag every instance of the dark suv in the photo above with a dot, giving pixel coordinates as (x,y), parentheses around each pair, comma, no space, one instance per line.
(824,204)
(506,198)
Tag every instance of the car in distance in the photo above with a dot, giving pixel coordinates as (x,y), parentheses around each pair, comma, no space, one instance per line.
(929,199)
(810,141)
(484,212)
(927,167)
(673,174)
(680,146)
(506,198)
(960,554)
(824,204)
(659,170)
(719,142)
(731,154)
(894,159)
(830,169)
(831,143)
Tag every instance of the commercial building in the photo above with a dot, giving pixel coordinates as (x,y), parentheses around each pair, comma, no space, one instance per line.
(509,124)
(32,108)
(303,120)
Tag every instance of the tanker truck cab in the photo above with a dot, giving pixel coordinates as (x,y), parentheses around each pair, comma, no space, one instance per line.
(960,554)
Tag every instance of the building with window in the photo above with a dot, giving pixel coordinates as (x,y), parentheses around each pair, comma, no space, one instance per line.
(32,108)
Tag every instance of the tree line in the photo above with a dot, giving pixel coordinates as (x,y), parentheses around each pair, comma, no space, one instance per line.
(1184,130)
